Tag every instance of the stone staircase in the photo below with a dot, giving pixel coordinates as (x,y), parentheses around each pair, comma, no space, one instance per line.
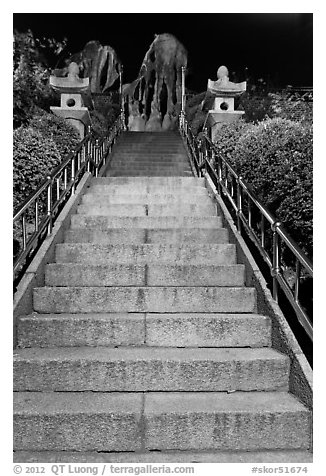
(145,344)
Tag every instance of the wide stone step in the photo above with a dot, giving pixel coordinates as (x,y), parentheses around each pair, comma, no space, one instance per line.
(150,275)
(146,160)
(237,421)
(105,223)
(193,209)
(162,168)
(64,330)
(149,160)
(149,369)
(143,235)
(145,199)
(144,299)
(271,456)
(143,188)
(77,421)
(248,421)
(151,173)
(129,195)
(167,330)
(162,183)
(140,254)
(208,330)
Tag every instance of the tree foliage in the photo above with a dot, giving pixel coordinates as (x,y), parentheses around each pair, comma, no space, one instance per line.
(30,79)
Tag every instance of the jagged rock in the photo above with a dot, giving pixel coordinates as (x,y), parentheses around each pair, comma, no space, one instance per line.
(154,123)
(157,89)
(99,63)
(136,122)
(167,123)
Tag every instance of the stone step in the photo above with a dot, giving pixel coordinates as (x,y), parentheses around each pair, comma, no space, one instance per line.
(239,421)
(143,167)
(167,330)
(139,171)
(77,421)
(101,369)
(170,199)
(208,330)
(131,195)
(143,235)
(145,160)
(106,223)
(142,189)
(177,182)
(174,154)
(141,254)
(174,160)
(150,275)
(64,330)
(132,210)
(271,456)
(150,173)
(160,299)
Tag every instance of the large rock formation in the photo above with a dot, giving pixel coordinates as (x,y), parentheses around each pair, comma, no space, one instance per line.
(154,98)
(98,63)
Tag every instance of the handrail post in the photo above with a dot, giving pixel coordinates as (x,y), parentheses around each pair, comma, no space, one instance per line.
(219,174)
(183,95)
(122,112)
(73,174)
(276,259)
(297,280)
(96,157)
(239,203)
(49,204)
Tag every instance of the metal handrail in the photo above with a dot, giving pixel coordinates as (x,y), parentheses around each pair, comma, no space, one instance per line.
(42,207)
(206,160)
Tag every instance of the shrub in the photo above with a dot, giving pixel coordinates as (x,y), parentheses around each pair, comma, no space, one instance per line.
(64,135)
(275,158)
(34,156)
(291,107)
(228,137)
(256,107)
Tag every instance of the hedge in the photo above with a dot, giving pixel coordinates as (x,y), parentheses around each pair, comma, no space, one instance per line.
(275,158)
(34,156)
(64,135)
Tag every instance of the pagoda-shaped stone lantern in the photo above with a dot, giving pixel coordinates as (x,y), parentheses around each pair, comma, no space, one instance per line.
(224,91)
(72,106)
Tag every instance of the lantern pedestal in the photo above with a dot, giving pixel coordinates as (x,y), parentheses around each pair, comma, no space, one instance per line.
(224,91)
(71,101)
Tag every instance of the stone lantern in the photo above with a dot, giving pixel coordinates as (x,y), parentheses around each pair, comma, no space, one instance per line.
(72,106)
(224,92)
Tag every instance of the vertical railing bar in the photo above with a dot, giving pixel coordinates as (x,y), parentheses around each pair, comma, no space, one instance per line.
(297,279)
(276,259)
(239,204)
(262,226)
(65,175)
(36,215)
(249,211)
(24,231)
(49,204)
(58,187)
(73,174)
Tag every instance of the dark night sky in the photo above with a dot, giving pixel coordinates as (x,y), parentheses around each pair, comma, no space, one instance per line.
(278,45)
